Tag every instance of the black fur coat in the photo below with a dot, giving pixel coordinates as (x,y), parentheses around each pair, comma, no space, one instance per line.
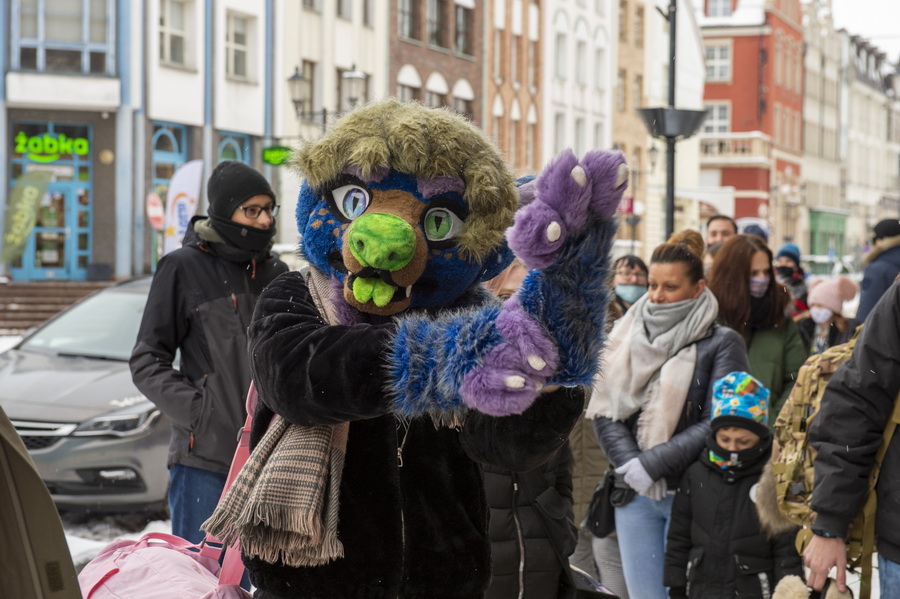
(414,531)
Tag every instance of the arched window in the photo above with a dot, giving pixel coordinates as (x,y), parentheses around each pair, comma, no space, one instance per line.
(234,146)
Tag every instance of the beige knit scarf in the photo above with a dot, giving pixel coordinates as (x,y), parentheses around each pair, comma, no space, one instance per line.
(283,505)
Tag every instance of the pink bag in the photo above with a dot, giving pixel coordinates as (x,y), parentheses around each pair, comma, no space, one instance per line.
(157,566)
(163,566)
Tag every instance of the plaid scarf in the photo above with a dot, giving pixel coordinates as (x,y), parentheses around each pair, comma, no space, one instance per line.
(283,505)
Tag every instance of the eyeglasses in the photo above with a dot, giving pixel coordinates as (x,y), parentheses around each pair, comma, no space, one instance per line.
(628,274)
(254,211)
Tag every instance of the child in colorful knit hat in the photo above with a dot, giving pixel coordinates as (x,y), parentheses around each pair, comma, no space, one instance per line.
(716,546)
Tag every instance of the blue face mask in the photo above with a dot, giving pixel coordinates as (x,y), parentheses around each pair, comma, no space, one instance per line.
(759,285)
(630,293)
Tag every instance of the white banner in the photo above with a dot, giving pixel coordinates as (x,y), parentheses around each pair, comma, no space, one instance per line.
(182,200)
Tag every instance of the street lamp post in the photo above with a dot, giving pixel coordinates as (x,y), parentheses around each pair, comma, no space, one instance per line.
(670,123)
(300,88)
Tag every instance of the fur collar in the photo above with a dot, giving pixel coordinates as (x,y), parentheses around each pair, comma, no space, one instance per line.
(886,244)
(772,521)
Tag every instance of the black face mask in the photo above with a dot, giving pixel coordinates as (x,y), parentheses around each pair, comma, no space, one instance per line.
(785,272)
(250,239)
(741,458)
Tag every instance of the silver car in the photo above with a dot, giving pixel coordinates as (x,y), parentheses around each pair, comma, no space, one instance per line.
(97,442)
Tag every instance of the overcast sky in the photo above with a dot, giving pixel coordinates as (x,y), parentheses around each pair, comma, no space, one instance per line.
(876,20)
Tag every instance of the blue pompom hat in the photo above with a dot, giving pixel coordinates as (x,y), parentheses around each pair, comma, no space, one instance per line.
(789,250)
(741,400)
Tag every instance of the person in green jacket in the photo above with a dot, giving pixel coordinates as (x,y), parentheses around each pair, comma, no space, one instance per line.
(756,305)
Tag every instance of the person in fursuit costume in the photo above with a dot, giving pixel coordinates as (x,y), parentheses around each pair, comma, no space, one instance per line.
(387,374)
(716,545)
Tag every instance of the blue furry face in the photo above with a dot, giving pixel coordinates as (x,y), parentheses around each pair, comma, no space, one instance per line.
(341,222)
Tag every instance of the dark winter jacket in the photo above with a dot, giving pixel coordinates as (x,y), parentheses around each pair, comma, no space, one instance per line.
(715,547)
(882,267)
(836,336)
(776,355)
(848,429)
(396,544)
(721,352)
(526,509)
(200,303)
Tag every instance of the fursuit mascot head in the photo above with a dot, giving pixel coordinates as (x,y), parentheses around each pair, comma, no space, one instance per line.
(409,208)
(405,205)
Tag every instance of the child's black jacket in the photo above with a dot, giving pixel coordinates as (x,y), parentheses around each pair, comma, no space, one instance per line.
(715,546)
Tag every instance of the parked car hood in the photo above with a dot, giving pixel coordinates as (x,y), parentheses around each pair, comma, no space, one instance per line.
(49,388)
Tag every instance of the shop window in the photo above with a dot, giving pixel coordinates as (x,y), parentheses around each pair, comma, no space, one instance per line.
(234,146)
(169,152)
(60,36)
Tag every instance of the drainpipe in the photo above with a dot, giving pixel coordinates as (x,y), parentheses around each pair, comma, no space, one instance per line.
(208,155)
(139,153)
(124,144)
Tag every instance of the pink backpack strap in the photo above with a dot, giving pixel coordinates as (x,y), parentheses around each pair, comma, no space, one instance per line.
(232,566)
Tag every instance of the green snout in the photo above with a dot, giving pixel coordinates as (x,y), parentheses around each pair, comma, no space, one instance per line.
(382,241)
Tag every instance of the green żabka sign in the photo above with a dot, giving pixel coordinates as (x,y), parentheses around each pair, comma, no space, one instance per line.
(276,155)
(48,148)
(21,212)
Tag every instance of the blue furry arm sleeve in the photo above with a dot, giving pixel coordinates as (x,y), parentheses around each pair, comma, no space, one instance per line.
(311,373)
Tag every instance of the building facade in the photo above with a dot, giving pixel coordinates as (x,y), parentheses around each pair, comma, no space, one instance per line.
(752,137)
(512,81)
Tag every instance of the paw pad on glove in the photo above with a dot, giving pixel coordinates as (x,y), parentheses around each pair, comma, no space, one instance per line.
(515,382)
(554,232)
(536,362)
(622,175)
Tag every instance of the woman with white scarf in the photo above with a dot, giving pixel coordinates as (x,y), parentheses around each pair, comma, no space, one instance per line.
(651,407)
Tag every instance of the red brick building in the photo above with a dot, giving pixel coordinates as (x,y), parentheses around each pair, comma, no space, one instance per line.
(754,95)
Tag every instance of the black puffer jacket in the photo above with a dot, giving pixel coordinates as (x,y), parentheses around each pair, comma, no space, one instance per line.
(715,547)
(721,352)
(849,428)
(526,507)
(416,531)
(200,302)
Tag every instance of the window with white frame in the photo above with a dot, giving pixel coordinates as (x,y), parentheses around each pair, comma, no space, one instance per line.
(513,142)
(62,37)
(559,130)
(532,63)
(173,32)
(561,60)
(514,58)
(637,91)
(437,23)
(580,137)
(599,68)
(620,91)
(368,17)
(343,8)
(464,20)
(408,19)
(434,99)
(498,56)
(717,118)
(638,25)
(718,62)
(581,66)
(718,8)
(406,93)
(238,31)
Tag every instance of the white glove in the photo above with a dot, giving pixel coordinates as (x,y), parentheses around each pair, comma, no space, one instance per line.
(635,475)
(657,490)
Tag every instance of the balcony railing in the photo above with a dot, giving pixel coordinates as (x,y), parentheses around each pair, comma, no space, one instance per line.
(735,149)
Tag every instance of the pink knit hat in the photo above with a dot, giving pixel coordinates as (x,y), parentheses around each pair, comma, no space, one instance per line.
(832,293)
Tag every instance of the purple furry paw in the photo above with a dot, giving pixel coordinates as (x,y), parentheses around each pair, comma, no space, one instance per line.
(568,193)
(537,235)
(513,373)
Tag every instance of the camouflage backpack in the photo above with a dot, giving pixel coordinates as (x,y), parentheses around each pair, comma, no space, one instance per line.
(793,457)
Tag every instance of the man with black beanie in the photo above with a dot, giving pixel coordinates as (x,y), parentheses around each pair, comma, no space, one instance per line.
(882,265)
(200,302)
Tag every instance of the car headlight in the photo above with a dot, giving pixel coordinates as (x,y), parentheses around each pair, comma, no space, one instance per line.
(121,423)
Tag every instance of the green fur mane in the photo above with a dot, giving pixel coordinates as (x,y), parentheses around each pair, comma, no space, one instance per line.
(423,142)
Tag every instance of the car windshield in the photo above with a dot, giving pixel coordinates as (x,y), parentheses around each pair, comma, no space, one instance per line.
(103,326)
